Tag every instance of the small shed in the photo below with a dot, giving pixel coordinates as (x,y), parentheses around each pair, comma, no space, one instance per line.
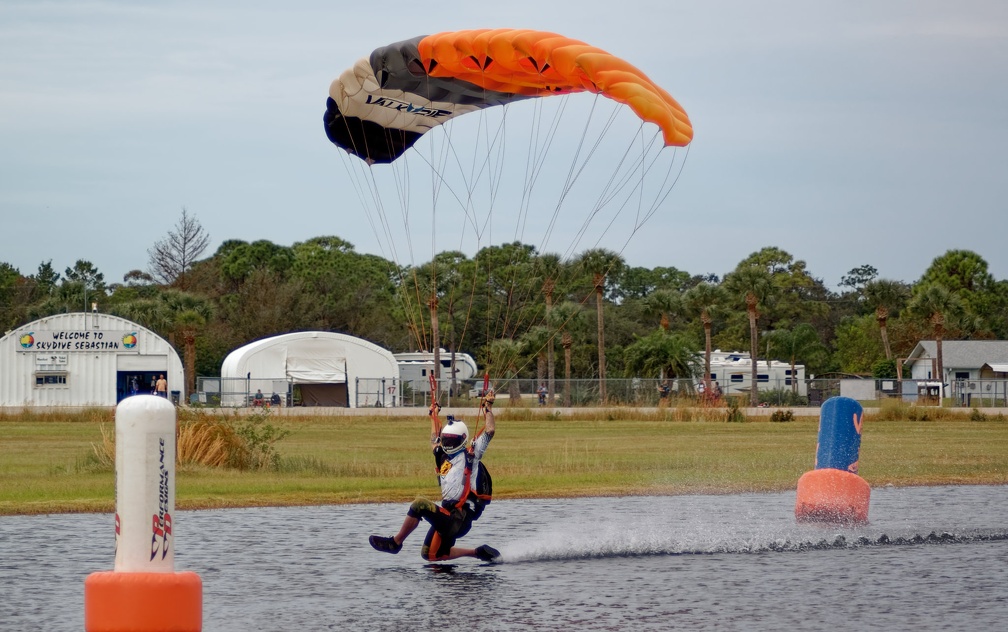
(327,369)
(84,359)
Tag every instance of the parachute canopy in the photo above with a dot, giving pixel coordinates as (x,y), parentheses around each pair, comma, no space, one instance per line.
(381,106)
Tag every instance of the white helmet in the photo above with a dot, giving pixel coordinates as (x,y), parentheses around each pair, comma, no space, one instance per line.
(454,436)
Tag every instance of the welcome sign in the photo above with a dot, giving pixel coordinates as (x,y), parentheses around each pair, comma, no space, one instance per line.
(70,340)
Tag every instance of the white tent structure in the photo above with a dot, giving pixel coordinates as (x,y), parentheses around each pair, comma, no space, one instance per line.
(328,369)
(83,359)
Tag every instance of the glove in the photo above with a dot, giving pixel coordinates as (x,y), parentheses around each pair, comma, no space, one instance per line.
(434,409)
(489,398)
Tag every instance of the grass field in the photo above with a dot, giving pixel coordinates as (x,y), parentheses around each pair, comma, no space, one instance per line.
(47,462)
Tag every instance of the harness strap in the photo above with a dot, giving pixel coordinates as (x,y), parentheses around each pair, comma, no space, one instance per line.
(468,483)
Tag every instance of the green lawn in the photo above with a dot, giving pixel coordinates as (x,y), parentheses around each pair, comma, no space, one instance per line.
(46,462)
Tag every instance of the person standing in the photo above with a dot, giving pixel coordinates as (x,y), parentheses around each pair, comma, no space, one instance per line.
(161,388)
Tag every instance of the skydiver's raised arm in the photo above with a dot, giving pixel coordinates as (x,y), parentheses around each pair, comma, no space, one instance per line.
(491,423)
(435,421)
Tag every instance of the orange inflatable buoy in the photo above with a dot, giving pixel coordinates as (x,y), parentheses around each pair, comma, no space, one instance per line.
(143,602)
(833,491)
(829,495)
(143,593)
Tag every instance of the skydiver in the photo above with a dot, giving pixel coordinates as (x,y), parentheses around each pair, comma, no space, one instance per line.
(462,500)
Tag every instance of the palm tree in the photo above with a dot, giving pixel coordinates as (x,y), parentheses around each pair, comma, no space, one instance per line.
(188,324)
(564,318)
(753,284)
(937,304)
(662,353)
(800,342)
(885,296)
(188,314)
(666,304)
(600,262)
(535,341)
(707,299)
(505,355)
(552,268)
(172,313)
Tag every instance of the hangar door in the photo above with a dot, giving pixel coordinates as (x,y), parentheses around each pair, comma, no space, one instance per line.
(322,381)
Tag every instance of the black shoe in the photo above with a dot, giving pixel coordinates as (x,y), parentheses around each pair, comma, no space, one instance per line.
(385,545)
(487,553)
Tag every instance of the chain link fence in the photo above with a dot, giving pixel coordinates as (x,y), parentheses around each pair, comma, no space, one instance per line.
(385,392)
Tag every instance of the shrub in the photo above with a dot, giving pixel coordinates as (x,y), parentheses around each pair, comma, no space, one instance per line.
(206,440)
(885,370)
(735,414)
(782,415)
(782,397)
(259,438)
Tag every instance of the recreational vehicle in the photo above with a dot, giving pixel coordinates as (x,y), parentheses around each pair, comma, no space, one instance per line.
(415,368)
(733,373)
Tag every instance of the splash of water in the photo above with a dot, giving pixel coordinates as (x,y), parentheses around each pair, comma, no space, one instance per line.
(636,535)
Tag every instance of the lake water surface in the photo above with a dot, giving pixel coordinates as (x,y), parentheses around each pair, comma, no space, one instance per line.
(931,558)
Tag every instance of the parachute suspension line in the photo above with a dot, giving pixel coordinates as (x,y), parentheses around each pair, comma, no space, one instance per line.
(375,215)
(661,194)
(666,191)
(359,190)
(615,186)
(540,142)
(496,159)
(362,176)
(439,177)
(536,161)
(494,177)
(576,170)
(412,308)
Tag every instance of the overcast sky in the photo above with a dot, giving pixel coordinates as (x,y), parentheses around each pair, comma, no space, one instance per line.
(844,132)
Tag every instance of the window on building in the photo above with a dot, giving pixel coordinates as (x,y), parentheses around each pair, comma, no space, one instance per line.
(762,377)
(50,379)
(737,378)
(962,375)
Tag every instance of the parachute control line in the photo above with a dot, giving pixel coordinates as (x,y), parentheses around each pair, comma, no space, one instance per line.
(833,491)
(144,593)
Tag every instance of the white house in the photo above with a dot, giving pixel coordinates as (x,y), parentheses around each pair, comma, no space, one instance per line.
(970,368)
(83,359)
(327,369)
(961,360)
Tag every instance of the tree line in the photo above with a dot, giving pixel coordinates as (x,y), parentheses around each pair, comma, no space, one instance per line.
(522,313)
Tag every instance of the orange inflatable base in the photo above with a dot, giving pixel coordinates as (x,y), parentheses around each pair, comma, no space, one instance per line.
(143,602)
(829,495)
